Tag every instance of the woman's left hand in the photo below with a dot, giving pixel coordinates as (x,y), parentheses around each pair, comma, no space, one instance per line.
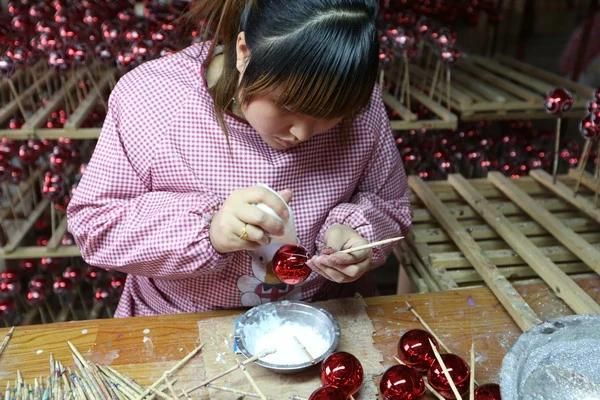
(341,267)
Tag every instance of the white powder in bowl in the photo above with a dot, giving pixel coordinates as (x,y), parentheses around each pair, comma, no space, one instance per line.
(287,338)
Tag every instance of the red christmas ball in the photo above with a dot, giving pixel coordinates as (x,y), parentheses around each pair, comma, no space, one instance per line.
(489,391)
(102,295)
(597,94)
(289,264)
(401,382)
(73,274)
(458,370)
(328,393)
(117,283)
(343,371)
(35,297)
(40,282)
(558,101)
(589,128)
(415,350)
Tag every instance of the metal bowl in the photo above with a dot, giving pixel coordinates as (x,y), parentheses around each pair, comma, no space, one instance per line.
(556,360)
(260,320)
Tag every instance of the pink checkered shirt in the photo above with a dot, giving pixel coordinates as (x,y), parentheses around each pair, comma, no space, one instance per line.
(162,168)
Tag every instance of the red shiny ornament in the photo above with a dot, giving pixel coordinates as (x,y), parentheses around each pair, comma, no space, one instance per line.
(102,295)
(401,382)
(458,370)
(328,393)
(117,283)
(597,95)
(17,175)
(449,55)
(415,350)
(27,154)
(28,266)
(7,308)
(9,289)
(558,101)
(289,264)
(7,66)
(489,391)
(40,282)
(344,371)
(42,240)
(48,264)
(9,276)
(92,275)
(589,128)
(35,297)
(73,274)
(63,287)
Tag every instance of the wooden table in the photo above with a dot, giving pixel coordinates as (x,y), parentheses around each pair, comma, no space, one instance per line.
(457,316)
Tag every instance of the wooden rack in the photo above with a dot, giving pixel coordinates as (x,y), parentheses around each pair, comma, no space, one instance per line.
(78,91)
(498,231)
(502,88)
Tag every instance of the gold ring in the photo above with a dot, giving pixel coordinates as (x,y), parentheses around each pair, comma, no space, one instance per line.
(244,234)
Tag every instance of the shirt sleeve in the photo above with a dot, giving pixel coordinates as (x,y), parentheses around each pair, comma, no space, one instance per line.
(380,207)
(119,223)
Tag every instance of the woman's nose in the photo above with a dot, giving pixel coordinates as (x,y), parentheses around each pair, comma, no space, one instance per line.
(302,132)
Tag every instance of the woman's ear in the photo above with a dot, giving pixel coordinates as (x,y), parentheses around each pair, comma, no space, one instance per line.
(242,53)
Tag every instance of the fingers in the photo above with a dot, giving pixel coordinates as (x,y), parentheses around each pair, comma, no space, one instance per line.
(255,216)
(254,234)
(341,273)
(258,194)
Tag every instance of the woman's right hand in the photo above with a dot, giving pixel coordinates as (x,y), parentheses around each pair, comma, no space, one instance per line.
(240,214)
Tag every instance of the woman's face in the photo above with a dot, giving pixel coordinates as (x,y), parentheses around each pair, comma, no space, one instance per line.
(279,128)
(282,129)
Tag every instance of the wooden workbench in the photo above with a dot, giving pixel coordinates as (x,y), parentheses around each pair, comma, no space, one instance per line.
(457,316)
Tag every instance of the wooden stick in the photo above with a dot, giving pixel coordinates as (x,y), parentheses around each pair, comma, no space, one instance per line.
(427,385)
(231,390)
(587,148)
(597,176)
(251,380)
(170,371)
(472,375)
(304,349)
(556,150)
(6,339)
(230,370)
(426,326)
(370,245)
(445,371)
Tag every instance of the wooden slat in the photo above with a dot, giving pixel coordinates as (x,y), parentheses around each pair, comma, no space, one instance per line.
(8,110)
(500,257)
(56,238)
(515,272)
(421,250)
(53,103)
(51,134)
(18,236)
(433,106)
(512,301)
(558,281)
(523,79)
(549,76)
(529,228)
(489,92)
(504,84)
(587,180)
(506,207)
(39,252)
(567,194)
(395,105)
(80,114)
(462,99)
(586,252)
(423,272)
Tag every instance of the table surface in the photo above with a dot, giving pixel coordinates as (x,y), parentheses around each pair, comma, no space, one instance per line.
(458,317)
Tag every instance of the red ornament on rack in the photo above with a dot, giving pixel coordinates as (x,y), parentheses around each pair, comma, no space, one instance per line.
(401,382)
(489,391)
(328,393)
(558,101)
(289,264)
(342,370)
(415,349)
(458,370)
